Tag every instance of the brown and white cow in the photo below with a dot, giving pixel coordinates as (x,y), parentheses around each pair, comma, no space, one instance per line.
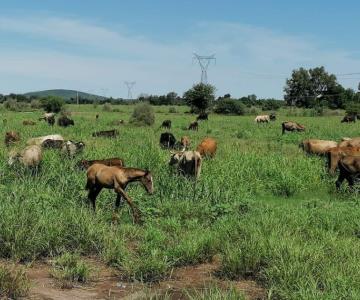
(188,163)
(292,126)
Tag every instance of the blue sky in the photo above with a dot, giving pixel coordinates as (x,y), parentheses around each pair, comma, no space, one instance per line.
(94,46)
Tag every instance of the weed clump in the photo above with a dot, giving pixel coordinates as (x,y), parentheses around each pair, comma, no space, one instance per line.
(13,283)
(143,115)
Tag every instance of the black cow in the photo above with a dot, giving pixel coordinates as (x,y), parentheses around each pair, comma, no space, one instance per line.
(194,126)
(202,116)
(167,140)
(349,118)
(54,144)
(272,117)
(166,124)
(64,121)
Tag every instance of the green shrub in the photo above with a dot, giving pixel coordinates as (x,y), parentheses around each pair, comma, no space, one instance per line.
(107,107)
(52,104)
(69,267)
(36,104)
(13,283)
(143,114)
(353,108)
(229,107)
(172,110)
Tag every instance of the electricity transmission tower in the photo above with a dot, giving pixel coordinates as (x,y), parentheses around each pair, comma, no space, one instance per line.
(204,62)
(130,85)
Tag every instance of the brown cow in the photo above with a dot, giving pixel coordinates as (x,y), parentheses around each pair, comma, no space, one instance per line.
(188,163)
(207,147)
(194,126)
(314,146)
(335,154)
(115,162)
(292,126)
(11,137)
(106,133)
(185,142)
(28,122)
(350,142)
(349,167)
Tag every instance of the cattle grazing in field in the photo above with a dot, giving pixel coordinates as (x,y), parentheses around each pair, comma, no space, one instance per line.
(349,118)
(319,147)
(167,140)
(202,117)
(52,144)
(71,148)
(292,126)
(28,123)
(350,142)
(39,140)
(30,157)
(272,117)
(100,176)
(64,121)
(166,124)
(207,147)
(188,163)
(106,133)
(110,162)
(185,142)
(335,154)
(11,137)
(194,126)
(349,167)
(262,119)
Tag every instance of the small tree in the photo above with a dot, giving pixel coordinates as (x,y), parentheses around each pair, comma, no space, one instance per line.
(229,107)
(200,97)
(52,104)
(143,114)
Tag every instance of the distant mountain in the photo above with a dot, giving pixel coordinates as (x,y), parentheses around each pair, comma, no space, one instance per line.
(65,94)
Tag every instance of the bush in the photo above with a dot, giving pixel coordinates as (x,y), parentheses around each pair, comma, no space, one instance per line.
(36,104)
(143,115)
(353,108)
(11,104)
(52,104)
(253,110)
(13,283)
(107,107)
(229,107)
(172,110)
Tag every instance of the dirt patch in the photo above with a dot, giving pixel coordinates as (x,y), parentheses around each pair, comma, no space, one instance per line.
(106,284)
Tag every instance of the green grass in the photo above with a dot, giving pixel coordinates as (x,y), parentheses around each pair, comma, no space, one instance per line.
(13,283)
(270,211)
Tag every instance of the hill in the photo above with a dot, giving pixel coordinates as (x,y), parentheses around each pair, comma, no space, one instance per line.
(65,94)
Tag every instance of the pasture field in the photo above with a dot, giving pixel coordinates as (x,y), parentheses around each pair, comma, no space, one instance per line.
(265,210)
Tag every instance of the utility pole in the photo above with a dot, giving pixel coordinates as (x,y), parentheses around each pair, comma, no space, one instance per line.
(130,85)
(204,62)
(77,97)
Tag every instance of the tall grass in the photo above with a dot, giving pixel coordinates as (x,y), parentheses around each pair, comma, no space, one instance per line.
(269,210)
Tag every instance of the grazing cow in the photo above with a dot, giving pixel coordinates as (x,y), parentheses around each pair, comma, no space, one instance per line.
(207,147)
(166,124)
(52,144)
(335,154)
(28,122)
(188,163)
(167,140)
(30,157)
(272,117)
(97,117)
(70,148)
(349,118)
(320,147)
(185,142)
(106,133)
(202,117)
(262,119)
(49,118)
(64,121)
(11,137)
(350,142)
(110,162)
(292,126)
(100,176)
(194,126)
(349,167)
(39,140)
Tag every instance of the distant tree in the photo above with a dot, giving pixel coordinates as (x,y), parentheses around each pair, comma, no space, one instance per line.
(359,88)
(229,106)
(200,97)
(143,114)
(227,96)
(314,88)
(52,104)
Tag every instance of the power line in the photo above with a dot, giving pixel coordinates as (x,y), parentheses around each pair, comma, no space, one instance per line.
(130,85)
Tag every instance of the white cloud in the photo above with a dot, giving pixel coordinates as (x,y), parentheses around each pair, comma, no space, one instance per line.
(86,56)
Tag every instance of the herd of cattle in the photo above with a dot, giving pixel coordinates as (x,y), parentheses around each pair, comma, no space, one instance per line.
(111,173)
